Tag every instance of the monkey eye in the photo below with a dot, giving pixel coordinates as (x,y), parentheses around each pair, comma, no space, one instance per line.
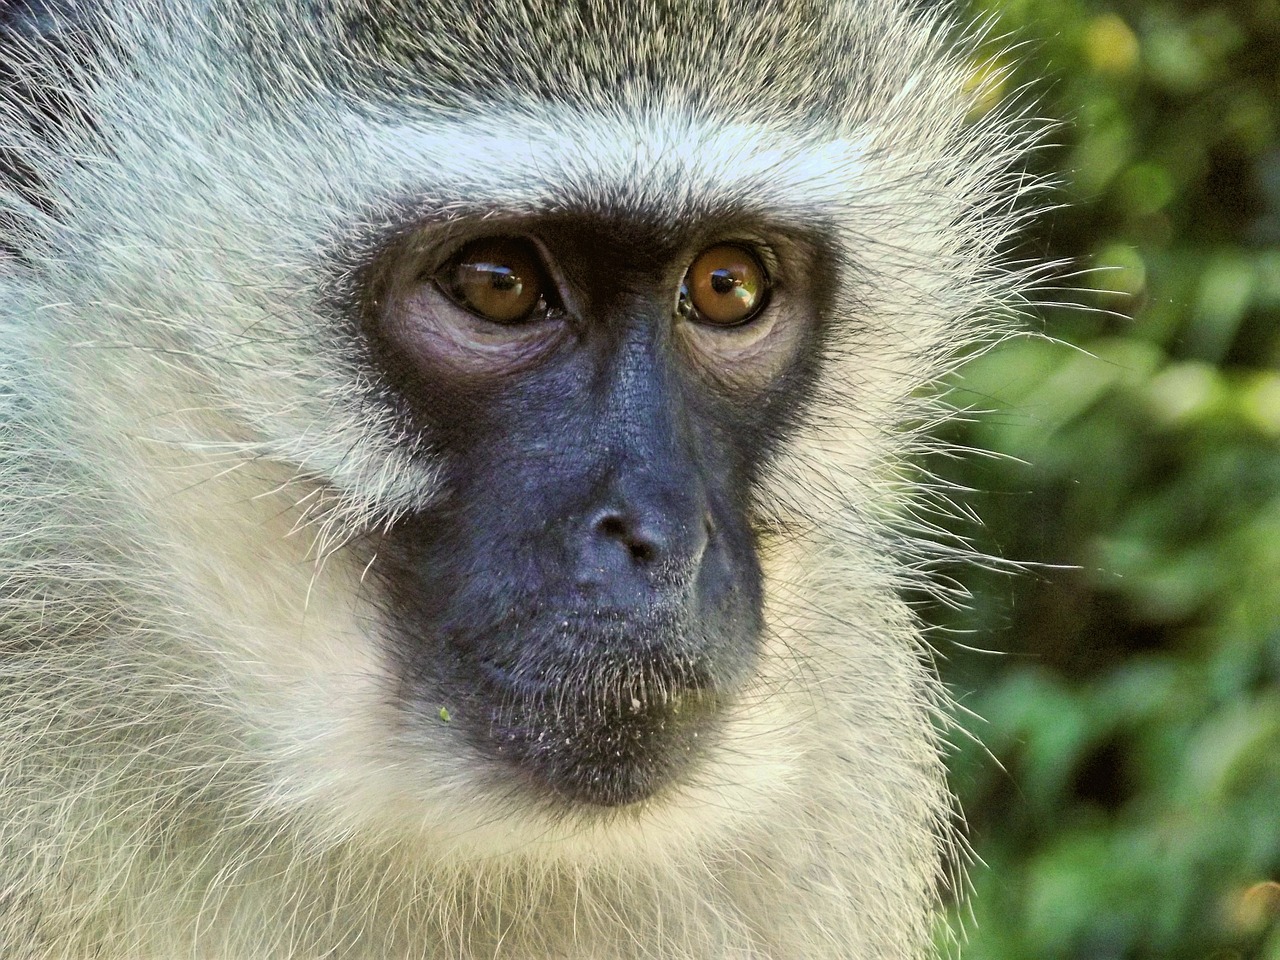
(500,279)
(725,286)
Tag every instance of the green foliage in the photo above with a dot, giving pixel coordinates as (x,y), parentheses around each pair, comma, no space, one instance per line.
(1129,807)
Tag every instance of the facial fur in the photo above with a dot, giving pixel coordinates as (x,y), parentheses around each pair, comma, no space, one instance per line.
(447,469)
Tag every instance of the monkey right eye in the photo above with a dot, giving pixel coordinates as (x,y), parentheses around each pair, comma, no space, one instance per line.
(500,279)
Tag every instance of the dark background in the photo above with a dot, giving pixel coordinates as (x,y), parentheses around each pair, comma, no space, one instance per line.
(1129,804)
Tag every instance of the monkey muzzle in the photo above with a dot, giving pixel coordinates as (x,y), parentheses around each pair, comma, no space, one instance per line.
(607,727)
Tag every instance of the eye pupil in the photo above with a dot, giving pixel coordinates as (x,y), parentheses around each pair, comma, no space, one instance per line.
(722,281)
(503,279)
(725,286)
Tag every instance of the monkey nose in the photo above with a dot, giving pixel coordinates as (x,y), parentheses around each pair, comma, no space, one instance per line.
(643,547)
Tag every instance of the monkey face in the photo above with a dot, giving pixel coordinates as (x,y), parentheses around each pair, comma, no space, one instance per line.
(477,495)
(471,472)
(583,597)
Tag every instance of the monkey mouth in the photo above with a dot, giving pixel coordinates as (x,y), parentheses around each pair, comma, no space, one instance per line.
(600,737)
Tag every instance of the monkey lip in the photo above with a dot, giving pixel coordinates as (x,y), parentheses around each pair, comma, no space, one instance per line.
(599,744)
(664,682)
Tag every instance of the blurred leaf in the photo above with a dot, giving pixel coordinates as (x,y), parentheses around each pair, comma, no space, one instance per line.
(1135,708)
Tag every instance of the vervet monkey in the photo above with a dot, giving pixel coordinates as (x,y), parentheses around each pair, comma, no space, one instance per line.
(448,473)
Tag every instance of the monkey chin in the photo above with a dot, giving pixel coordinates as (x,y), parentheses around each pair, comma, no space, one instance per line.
(604,748)
(587,780)
(645,789)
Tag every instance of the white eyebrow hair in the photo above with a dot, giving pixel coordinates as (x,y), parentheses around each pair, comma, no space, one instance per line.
(655,163)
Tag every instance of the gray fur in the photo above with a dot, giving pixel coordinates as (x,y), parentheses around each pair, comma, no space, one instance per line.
(201,754)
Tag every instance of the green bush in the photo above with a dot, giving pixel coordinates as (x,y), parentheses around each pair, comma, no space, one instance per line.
(1129,805)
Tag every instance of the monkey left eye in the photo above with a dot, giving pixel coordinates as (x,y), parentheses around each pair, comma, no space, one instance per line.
(725,286)
(500,279)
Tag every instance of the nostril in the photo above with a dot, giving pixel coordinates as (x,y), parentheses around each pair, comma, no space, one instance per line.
(641,552)
(613,527)
(616,528)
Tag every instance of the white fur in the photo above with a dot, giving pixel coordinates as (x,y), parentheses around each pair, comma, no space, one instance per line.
(201,753)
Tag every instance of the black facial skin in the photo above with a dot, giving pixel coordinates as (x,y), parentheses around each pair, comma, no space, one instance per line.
(584,598)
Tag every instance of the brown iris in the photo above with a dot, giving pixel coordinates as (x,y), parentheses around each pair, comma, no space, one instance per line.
(501,279)
(725,286)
